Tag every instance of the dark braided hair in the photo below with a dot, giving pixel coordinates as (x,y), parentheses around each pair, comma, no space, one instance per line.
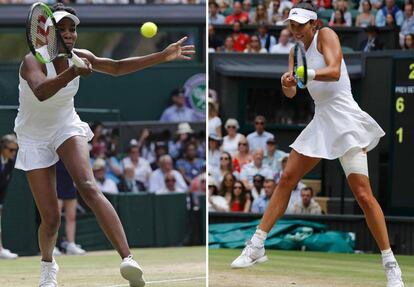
(61,7)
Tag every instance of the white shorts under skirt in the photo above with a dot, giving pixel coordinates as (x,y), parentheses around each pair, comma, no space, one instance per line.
(41,153)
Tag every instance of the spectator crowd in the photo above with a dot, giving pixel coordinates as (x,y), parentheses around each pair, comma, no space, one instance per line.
(262,15)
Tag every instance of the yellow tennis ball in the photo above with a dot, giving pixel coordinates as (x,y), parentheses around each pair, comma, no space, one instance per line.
(300,72)
(148,29)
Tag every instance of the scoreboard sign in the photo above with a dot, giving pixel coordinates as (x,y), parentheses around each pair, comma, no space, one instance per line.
(401,192)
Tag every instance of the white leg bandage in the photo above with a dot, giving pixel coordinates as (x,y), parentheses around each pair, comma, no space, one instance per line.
(355,161)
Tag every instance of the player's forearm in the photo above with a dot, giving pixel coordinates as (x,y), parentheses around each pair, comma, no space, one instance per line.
(50,87)
(328,74)
(134,64)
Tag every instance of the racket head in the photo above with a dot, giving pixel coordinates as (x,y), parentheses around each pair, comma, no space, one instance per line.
(41,38)
(299,60)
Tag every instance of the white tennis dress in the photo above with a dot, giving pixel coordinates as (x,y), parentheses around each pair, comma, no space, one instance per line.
(339,124)
(41,127)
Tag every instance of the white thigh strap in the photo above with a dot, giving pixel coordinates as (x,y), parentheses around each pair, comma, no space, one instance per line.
(355,161)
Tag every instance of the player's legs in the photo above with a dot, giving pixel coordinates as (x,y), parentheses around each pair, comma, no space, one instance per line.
(43,186)
(297,166)
(74,153)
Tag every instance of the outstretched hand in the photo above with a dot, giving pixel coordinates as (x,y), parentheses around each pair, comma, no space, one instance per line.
(178,51)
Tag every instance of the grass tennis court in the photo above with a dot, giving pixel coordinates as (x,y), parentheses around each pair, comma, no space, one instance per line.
(305,269)
(173,267)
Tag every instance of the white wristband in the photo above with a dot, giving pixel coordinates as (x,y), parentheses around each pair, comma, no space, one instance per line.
(311,74)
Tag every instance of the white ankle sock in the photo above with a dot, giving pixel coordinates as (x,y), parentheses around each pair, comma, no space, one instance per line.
(387,256)
(259,238)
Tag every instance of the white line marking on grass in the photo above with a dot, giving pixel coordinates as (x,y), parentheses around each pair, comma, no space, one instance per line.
(164,281)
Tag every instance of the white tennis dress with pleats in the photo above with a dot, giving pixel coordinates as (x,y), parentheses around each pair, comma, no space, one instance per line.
(339,124)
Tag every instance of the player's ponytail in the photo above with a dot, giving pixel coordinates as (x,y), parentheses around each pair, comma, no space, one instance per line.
(61,7)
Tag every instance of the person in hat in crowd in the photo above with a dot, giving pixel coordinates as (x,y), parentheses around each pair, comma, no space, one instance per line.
(214,122)
(258,138)
(178,111)
(106,185)
(231,140)
(176,148)
(8,157)
(140,165)
(273,157)
(157,179)
(214,142)
(216,202)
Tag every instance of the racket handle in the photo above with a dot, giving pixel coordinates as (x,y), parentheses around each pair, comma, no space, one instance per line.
(78,62)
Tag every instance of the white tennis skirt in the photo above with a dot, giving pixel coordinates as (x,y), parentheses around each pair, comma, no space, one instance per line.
(35,153)
(338,126)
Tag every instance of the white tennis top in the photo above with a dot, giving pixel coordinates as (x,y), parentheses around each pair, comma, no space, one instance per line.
(41,120)
(339,124)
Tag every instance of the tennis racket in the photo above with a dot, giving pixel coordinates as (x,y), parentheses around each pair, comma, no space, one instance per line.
(300,68)
(44,39)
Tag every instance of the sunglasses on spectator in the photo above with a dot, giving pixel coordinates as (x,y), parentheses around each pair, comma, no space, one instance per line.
(11,149)
(260,123)
(224,158)
(237,187)
(242,143)
(231,127)
(257,180)
(169,179)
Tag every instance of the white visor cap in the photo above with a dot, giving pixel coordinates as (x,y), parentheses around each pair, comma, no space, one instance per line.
(301,15)
(59,15)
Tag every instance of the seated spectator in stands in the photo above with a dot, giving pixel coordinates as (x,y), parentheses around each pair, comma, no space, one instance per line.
(170,184)
(339,20)
(247,7)
(260,15)
(285,15)
(274,156)
(260,204)
(214,42)
(178,111)
(214,16)
(140,165)
(160,150)
(226,185)
(228,46)
(389,8)
(232,139)
(157,179)
(8,157)
(190,166)
(376,5)
(198,184)
(266,40)
(128,182)
(240,39)
(106,185)
(255,167)
(238,15)
(407,26)
(273,13)
(243,155)
(215,201)
(322,4)
(284,45)
(226,166)
(341,5)
(176,147)
(254,46)
(371,43)
(240,200)
(214,121)
(366,18)
(98,143)
(259,137)
(214,152)
(258,183)
(281,6)
(307,205)
(409,42)
(146,145)
(390,21)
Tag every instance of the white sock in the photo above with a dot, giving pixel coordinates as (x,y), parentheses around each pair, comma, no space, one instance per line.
(387,256)
(259,238)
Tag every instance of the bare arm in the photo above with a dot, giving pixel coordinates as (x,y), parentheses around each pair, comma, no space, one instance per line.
(129,65)
(42,87)
(330,47)
(288,80)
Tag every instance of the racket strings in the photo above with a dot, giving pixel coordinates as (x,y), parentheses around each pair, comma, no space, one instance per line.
(43,36)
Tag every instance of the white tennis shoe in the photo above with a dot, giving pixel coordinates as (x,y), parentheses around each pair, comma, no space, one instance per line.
(7,254)
(393,273)
(132,272)
(48,274)
(74,249)
(250,256)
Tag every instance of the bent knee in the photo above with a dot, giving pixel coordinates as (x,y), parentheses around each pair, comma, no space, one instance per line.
(364,197)
(51,222)
(88,190)
(288,179)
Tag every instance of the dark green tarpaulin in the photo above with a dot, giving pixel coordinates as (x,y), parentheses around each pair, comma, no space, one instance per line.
(286,235)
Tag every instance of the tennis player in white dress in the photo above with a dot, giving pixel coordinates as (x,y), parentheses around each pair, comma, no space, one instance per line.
(48,128)
(339,129)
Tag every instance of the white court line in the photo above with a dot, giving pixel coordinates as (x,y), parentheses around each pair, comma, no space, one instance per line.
(164,281)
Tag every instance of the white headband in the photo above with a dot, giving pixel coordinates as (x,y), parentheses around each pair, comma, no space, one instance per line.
(301,15)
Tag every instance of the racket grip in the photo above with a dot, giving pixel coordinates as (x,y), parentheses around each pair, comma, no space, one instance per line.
(78,62)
